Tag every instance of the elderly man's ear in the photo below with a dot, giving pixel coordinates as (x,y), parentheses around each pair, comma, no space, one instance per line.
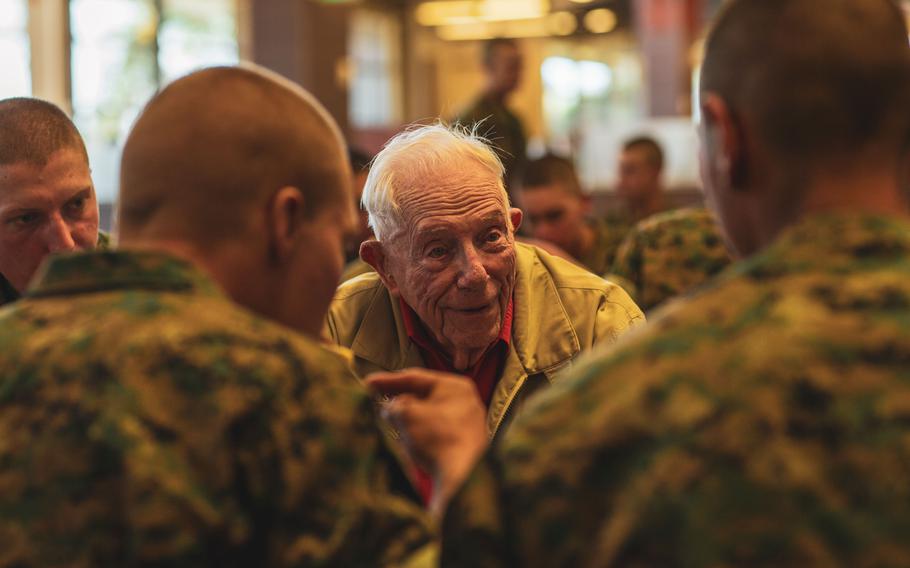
(516,216)
(372,253)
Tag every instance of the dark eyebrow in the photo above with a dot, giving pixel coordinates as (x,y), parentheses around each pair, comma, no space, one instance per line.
(84,192)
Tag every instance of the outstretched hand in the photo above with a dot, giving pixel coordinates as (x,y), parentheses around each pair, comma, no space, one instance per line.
(442,423)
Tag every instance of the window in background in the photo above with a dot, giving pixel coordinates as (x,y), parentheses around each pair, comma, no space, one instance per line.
(15,75)
(593,102)
(123,51)
(375,58)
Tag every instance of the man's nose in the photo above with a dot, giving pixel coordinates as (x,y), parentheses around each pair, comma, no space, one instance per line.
(59,236)
(472,272)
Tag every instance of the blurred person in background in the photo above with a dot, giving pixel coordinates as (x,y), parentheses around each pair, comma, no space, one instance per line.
(640,187)
(669,254)
(47,198)
(557,210)
(502,65)
(762,421)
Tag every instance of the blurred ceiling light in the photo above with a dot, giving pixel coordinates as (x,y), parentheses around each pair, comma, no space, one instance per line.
(600,21)
(444,13)
(582,1)
(536,27)
(562,23)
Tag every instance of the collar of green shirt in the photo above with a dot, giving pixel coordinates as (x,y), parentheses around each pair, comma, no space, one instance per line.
(105,270)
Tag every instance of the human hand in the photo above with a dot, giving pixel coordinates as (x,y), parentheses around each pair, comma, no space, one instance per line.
(442,423)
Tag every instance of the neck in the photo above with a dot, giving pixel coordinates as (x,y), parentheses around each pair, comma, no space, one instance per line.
(646,206)
(839,192)
(584,243)
(464,359)
(495,95)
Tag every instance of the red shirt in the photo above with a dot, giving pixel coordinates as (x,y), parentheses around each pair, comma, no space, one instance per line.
(485,373)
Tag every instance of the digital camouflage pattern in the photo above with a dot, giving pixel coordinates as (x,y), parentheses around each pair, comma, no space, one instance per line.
(669,254)
(9,294)
(145,420)
(763,422)
(608,236)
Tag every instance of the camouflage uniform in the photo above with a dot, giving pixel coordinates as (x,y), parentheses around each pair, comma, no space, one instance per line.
(146,420)
(669,254)
(9,294)
(503,129)
(763,422)
(608,236)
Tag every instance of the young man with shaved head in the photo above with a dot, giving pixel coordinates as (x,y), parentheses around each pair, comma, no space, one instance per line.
(764,421)
(158,405)
(558,212)
(47,199)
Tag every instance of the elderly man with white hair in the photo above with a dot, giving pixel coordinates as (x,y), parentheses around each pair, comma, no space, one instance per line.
(453,291)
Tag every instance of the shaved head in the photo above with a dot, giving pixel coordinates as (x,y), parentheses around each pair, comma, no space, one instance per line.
(821,82)
(31,130)
(210,150)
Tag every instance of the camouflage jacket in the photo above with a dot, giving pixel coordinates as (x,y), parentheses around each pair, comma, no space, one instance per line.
(763,422)
(9,294)
(669,254)
(503,129)
(608,236)
(145,420)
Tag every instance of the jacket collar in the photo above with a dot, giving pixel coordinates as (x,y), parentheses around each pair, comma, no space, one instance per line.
(105,270)
(543,337)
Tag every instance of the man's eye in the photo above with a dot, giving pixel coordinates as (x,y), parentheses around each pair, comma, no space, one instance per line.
(24,220)
(494,236)
(554,216)
(436,252)
(76,206)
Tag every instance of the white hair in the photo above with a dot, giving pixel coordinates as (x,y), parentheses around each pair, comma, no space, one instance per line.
(413,160)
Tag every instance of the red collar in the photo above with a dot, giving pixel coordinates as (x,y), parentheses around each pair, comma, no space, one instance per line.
(418,333)
(485,373)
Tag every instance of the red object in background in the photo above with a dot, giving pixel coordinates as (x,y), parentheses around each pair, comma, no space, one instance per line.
(485,373)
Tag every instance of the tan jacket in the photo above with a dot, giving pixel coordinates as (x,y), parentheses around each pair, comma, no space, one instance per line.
(560,311)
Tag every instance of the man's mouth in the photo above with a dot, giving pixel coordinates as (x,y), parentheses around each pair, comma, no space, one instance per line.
(474,309)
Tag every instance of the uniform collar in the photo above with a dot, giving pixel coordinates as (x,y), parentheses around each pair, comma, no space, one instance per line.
(107,270)
(831,242)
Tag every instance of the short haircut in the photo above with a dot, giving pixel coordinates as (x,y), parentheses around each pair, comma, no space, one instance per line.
(549,170)
(490,47)
(32,130)
(821,86)
(420,156)
(360,160)
(211,149)
(654,154)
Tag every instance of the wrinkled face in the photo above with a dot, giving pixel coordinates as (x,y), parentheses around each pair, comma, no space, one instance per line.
(504,69)
(45,210)
(637,177)
(453,261)
(555,215)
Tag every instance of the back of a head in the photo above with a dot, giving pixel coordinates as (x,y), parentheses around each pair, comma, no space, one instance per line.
(551,170)
(649,147)
(209,150)
(32,130)
(820,85)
